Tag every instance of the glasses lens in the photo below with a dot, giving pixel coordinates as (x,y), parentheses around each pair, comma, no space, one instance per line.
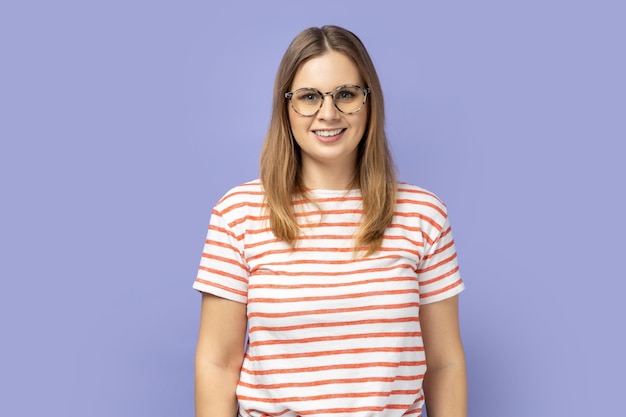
(306,101)
(349,99)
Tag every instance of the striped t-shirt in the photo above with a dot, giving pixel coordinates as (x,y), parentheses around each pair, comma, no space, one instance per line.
(329,333)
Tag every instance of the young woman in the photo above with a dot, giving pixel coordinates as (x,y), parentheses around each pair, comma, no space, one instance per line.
(344,280)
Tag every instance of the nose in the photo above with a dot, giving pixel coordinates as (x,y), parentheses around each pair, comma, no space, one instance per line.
(328,111)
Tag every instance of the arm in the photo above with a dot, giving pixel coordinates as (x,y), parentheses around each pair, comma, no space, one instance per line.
(219,355)
(445,382)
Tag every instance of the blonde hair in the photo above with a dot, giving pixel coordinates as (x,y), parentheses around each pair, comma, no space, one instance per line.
(281,158)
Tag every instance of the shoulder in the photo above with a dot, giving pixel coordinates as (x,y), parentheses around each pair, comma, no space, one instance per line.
(246,195)
(412,200)
(409,193)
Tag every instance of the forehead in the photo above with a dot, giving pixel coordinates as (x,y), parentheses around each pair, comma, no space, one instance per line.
(327,72)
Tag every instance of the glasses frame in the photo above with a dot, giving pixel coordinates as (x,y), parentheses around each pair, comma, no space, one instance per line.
(289,95)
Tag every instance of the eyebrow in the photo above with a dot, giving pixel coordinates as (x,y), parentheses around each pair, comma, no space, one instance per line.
(328,91)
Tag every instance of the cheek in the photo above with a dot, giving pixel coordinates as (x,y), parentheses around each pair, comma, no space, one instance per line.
(298,126)
(292,125)
(363,121)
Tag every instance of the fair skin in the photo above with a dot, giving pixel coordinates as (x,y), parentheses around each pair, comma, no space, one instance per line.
(445,383)
(219,355)
(328,162)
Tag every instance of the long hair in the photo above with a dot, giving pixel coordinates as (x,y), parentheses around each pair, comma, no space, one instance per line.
(281,158)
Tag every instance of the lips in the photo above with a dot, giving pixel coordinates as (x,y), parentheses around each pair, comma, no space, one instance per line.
(328,133)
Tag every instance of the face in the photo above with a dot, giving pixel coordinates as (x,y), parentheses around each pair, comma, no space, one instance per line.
(329,138)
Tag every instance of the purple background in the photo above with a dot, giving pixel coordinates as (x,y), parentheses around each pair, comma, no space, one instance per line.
(123,122)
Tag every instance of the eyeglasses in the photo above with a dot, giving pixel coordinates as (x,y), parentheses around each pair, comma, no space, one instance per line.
(348,99)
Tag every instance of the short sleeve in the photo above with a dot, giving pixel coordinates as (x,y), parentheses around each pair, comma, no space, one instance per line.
(438,270)
(223,271)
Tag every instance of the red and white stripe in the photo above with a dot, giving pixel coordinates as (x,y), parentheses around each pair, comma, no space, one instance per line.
(330,334)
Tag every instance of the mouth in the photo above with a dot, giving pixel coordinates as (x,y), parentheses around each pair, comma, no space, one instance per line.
(328,133)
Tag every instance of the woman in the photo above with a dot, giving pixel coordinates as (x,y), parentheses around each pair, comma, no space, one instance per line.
(345,281)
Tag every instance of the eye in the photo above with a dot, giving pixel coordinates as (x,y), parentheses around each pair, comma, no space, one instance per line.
(346,94)
(308,96)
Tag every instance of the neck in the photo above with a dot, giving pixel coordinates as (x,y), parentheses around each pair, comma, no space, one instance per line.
(328,177)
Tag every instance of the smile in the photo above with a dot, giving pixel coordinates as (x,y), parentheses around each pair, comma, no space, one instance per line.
(328,133)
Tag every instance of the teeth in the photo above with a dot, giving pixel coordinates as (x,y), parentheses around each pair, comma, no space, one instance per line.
(328,133)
